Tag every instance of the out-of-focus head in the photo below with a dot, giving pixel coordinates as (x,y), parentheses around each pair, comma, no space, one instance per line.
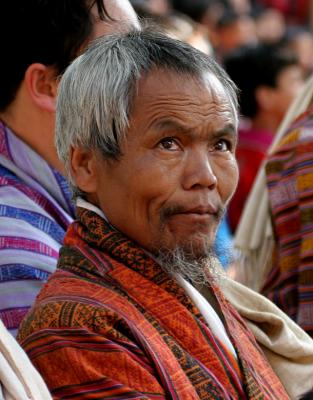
(204,12)
(240,6)
(270,25)
(300,41)
(268,77)
(51,33)
(180,26)
(152,146)
(234,31)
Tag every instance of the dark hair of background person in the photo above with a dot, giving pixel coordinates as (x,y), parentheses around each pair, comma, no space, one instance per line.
(307,396)
(195,9)
(227,18)
(151,8)
(254,66)
(50,32)
(141,8)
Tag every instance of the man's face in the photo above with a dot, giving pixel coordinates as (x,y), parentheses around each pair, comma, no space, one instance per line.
(178,169)
(288,84)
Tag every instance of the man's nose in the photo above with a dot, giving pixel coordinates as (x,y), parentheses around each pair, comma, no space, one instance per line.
(199,171)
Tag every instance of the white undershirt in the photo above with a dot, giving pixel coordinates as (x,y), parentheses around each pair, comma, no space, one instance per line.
(205,308)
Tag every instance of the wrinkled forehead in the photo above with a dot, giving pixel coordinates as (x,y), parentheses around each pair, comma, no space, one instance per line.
(158,77)
(184,99)
(217,89)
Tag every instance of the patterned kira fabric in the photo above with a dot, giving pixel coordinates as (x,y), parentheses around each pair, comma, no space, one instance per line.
(110,324)
(289,173)
(35,211)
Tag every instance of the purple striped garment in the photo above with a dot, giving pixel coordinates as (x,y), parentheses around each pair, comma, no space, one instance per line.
(35,211)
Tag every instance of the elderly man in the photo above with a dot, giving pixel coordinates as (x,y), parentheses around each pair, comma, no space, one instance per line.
(150,154)
(35,201)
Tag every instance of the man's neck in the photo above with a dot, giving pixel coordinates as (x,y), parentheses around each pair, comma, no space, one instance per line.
(34,127)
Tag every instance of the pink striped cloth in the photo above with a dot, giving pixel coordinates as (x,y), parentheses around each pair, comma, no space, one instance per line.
(35,211)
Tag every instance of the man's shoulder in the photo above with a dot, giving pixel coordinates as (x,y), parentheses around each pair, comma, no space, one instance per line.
(69,303)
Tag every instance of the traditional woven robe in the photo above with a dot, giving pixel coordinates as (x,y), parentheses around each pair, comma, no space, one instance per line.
(111,324)
(289,176)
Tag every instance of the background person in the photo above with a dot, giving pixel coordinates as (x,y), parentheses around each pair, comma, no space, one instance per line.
(274,79)
(35,200)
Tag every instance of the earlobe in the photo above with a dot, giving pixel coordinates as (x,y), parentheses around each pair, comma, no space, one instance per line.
(83,169)
(41,83)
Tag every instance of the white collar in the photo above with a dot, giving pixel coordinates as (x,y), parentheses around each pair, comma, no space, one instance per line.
(80,202)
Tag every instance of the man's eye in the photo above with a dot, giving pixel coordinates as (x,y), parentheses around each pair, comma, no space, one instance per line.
(169,144)
(222,145)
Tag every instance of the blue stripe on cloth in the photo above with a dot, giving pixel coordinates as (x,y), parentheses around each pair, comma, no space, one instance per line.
(292,168)
(35,219)
(14,272)
(7,173)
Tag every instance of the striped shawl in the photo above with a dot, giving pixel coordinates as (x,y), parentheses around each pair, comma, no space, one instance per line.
(110,324)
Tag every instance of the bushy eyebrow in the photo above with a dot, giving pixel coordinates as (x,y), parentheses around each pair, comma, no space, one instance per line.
(172,125)
(228,130)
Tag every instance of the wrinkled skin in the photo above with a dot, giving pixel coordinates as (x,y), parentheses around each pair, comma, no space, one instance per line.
(178,168)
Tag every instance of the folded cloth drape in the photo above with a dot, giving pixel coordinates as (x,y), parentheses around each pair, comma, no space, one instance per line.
(19,380)
(287,347)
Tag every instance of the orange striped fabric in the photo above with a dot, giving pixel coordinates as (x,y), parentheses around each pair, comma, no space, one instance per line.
(110,324)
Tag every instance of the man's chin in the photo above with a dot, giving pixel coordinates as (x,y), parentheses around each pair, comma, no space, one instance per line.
(195,245)
(194,262)
(192,247)
(192,229)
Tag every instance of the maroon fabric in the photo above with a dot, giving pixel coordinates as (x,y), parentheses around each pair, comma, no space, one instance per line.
(251,150)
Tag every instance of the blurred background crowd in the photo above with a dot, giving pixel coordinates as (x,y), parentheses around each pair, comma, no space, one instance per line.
(222,26)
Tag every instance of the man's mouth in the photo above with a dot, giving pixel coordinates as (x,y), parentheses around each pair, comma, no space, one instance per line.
(201,210)
(199,213)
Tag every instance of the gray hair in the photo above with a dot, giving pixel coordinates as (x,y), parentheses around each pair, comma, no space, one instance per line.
(97,90)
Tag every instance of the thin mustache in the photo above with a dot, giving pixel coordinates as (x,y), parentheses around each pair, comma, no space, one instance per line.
(178,209)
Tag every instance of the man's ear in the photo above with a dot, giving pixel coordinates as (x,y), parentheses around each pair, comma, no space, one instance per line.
(41,82)
(83,169)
